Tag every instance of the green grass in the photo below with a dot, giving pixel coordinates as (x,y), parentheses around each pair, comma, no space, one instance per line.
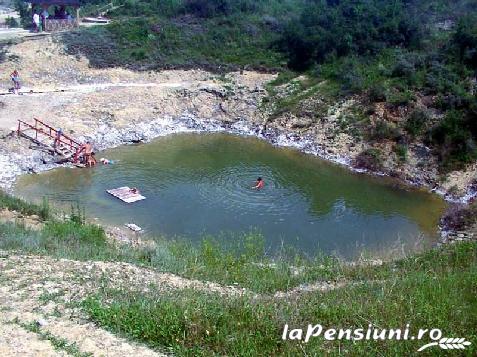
(59,344)
(26,208)
(291,97)
(435,262)
(244,264)
(216,44)
(194,323)
(242,261)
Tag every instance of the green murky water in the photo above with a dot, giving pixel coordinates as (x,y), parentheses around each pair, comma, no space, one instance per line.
(199,184)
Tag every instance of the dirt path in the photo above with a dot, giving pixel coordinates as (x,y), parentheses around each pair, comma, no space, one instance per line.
(50,103)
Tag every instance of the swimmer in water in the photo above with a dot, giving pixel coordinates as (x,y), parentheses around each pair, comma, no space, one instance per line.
(105,161)
(259,184)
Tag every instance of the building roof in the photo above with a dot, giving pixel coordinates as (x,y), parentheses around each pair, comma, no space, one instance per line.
(55,2)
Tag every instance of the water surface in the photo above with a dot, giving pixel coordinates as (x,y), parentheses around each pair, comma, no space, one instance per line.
(200,184)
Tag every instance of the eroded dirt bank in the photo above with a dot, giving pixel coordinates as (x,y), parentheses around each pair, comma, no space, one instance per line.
(115,106)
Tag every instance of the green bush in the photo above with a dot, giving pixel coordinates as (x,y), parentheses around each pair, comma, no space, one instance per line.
(383,130)
(416,121)
(399,98)
(370,159)
(24,11)
(19,205)
(11,22)
(327,29)
(465,39)
(377,92)
(454,140)
(401,152)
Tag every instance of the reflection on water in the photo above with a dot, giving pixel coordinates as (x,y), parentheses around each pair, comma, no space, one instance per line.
(199,184)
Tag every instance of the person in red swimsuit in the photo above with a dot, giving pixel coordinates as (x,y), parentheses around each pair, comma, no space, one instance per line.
(259,184)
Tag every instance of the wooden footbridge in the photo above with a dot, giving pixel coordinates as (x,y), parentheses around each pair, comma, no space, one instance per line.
(52,140)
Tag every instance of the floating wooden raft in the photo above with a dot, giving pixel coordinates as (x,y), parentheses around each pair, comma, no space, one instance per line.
(133,227)
(125,194)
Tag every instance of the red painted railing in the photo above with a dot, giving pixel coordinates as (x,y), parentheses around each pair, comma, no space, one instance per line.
(42,128)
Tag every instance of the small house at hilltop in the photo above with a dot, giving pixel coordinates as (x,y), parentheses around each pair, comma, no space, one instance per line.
(57,15)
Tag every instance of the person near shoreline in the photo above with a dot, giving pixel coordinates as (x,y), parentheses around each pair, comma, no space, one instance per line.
(16,81)
(88,150)
(57,141)
(259,184)
(92,160)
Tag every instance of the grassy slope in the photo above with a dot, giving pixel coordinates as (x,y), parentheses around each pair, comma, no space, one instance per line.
(432,290)
(435,289)
(215,44)
(172,34)
(195,323)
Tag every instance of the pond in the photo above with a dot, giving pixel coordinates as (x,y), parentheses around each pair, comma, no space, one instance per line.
(200,184)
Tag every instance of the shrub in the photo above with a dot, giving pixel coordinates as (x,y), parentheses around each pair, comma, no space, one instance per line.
(454,140)
(207,8)
(370,159)
(399,98)
(11,22)
(458,217)
(405,66)
(439,77)
(401,152)
(348,27)
(377,92)
(465,39)
(416,121)
(384,131)
(353,81)
(24,11)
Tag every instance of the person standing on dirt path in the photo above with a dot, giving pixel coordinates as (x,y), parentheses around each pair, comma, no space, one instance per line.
(16,81)
(44,16)
(36,22)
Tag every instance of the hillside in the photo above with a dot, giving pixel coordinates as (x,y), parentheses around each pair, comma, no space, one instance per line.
(404,69)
